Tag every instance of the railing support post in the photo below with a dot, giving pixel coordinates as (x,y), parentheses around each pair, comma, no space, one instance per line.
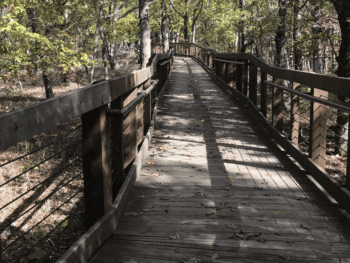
(96,164)
(347,182)
(318,132)
(277,105)
(245,78)
(263,90)
(239,77)
(253,78)
(231,74)
(294,118)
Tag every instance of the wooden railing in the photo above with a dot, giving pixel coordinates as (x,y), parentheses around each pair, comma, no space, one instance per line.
(263,88)
(117,118)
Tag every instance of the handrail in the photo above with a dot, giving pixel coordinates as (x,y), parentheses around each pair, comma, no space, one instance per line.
(230,61)
(311,98)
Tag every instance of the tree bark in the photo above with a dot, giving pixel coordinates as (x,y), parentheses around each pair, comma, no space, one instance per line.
(48,88)
(343,9)
(164,28)
(280,39)
(145,32)
(296,36)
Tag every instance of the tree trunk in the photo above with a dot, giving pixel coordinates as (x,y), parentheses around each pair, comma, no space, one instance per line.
(343,9)
(177,38)
(280,39)
(186,22)
(296,36)
(164,28)
(48,87)
(145,32)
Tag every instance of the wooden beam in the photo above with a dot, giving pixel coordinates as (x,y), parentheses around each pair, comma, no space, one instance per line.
(96,164)
(240,78)
(263,90)
(26,122)
(245,78)
(253,80)
(277,105)
(295,117)
(318,131)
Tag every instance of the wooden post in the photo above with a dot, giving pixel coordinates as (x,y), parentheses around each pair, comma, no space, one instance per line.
(295,117)
(147,113)
(347,182)
(253,79)
(240,77)
(318,132)
(277,105)
(96,164)
(231,74)
(211,60)
(245,78)
(263,90)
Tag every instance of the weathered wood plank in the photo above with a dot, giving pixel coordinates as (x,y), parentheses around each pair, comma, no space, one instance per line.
(318,130)
(24,123)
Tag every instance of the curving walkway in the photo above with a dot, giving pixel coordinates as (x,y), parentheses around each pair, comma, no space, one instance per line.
(216,189)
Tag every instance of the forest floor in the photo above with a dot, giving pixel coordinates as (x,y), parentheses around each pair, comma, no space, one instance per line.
(29,211)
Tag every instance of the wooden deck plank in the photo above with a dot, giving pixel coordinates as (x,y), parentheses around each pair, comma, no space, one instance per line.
(209,155)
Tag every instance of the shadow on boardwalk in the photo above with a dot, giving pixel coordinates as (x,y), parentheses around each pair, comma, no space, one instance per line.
(216,189)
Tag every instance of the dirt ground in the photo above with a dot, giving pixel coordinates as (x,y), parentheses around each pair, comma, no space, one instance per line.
(41,195)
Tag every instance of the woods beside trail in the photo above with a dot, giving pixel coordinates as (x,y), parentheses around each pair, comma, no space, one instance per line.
(40,37)
(58,41)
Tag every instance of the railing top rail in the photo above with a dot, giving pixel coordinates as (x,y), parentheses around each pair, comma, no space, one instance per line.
(333,84)
(26,122)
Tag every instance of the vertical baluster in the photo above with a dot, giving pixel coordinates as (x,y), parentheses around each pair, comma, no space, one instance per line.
(277,105)
(318,132)
(253,78)
(240,77)
(295,117)
(263,90)
(96,164)
(245,78)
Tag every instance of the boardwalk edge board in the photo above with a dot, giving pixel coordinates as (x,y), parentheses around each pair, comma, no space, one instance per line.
(337,191)
(94,238)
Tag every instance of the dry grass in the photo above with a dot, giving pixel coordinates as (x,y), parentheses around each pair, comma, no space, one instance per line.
(27,193)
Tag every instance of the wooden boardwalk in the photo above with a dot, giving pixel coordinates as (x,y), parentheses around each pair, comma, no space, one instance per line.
(216,189)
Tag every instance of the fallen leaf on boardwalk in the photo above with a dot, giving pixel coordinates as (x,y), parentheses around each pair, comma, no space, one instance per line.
(144,174)
(185,222)
(201,194)
(130,261)
(177,250)
(262,241)
(243,173)
(245,236)
(230,176)
(267,174)
(177,236)
(200,122)
(211,212)
(227,189)
(285,257)
(301,198)
(246,203)
(164,198)
(148,210)
(131,214)
(231,226)
(214,256)
(278,213)
(205,205)
(192,260)
(288,242)
(150,163)
(307,228)
(158,174)
(265,182)
(259,188)
(207,220)
(278,233)
(233,210)
(167,211)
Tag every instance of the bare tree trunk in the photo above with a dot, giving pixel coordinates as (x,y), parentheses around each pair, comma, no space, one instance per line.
(164,28)
(296,36)
(48,88)
(280,39)
(145,32)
